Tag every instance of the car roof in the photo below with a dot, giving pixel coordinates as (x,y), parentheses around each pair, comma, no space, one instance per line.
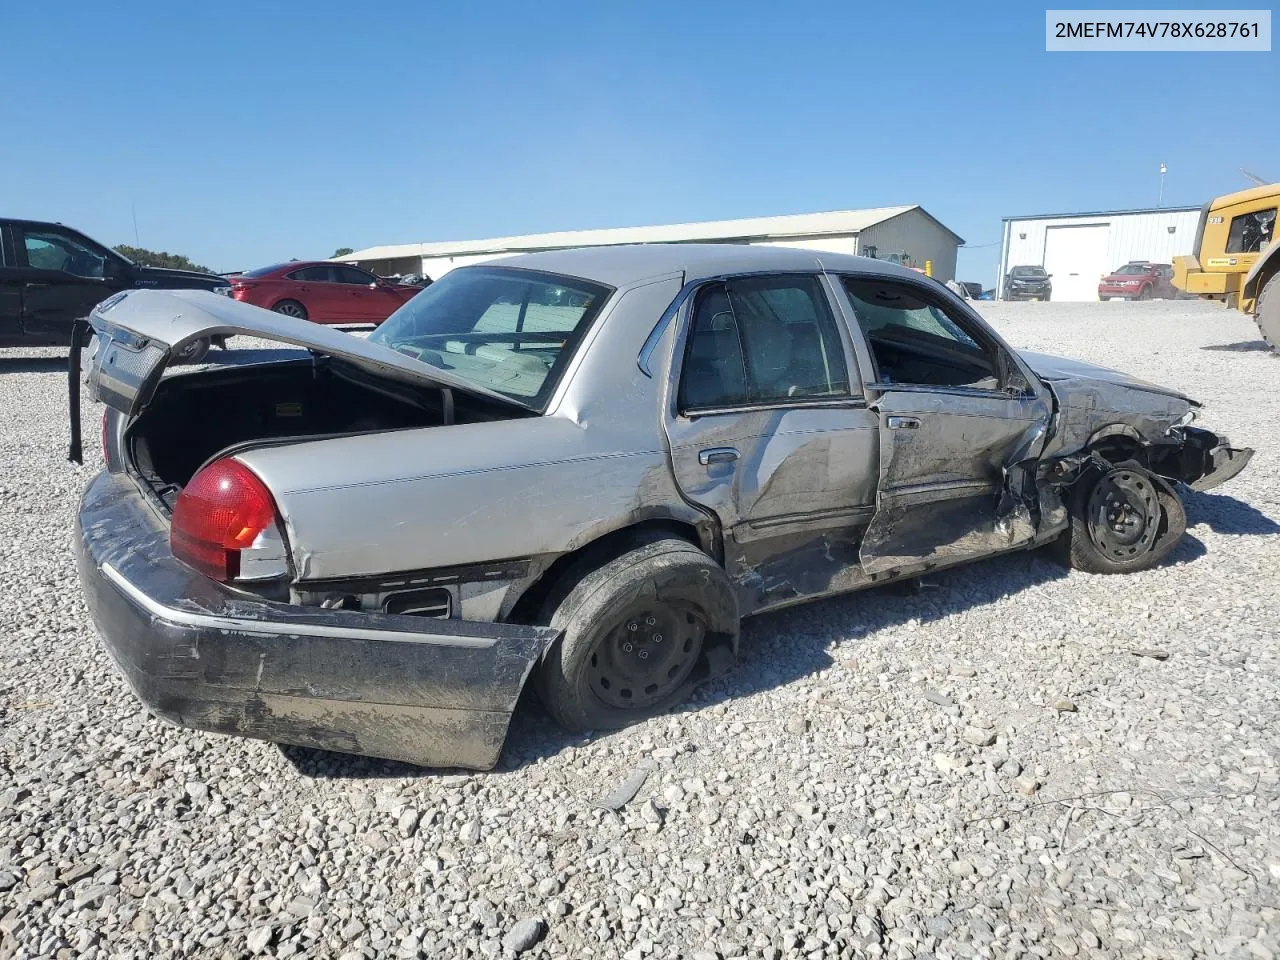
(298,265)
(628,264)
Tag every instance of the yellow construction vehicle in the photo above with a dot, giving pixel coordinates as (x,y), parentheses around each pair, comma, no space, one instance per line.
(1236,258)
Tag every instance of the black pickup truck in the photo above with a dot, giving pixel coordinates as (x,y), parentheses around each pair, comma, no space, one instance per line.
(51,276)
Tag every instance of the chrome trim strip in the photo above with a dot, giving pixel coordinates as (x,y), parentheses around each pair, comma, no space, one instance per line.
(188,618)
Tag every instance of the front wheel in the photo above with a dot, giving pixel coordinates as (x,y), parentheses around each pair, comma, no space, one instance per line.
(1146,294)
(633,635)
(1121,521)
(1267,312)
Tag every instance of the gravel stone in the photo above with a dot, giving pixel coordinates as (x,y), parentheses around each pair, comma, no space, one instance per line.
(815,802)
(524,934)
(979,737)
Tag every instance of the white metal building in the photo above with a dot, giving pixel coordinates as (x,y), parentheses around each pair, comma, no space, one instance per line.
(907,233)
(1078,249)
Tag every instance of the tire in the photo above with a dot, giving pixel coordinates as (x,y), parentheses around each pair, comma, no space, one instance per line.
(193,352)
(1144,293)
(1141,540)
(291,308)
(615,662)
(1104,299)
(1267,312)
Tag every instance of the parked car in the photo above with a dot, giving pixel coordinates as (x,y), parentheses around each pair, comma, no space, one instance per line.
(581,467)
(322,292)
(1028,283)
(52,275)
(1138,280)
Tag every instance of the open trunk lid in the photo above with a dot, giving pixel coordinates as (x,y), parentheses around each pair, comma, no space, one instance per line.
(138,331)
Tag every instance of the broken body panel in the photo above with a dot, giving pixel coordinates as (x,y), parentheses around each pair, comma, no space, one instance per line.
(804,499)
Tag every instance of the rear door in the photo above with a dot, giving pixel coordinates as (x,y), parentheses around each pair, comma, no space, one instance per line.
(770,432)
(961,422)
(326,300)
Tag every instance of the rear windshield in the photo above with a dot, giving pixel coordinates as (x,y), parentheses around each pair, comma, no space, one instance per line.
(1028,271)
(1132,269)
(511,331)
(263,271)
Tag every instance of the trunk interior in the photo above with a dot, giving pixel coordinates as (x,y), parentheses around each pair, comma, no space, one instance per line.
(193,417)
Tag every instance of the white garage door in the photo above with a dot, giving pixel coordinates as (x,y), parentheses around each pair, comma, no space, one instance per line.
(1077,259)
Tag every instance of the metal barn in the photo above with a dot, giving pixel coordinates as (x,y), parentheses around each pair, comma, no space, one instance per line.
(1078,249)
(905,234)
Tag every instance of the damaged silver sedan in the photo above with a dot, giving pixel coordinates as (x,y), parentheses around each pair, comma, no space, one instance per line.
(578,469)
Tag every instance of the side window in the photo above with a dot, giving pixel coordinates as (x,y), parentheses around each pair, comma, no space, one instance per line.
(312,275)
(761,340)
(353,276)
(1250,232)
(915,341)
(55,250)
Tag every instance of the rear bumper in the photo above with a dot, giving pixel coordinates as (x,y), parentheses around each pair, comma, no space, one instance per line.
(430,692)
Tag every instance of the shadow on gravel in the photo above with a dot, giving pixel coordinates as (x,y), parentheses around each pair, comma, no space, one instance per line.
(1244,346)
(1228,515)
(33,365)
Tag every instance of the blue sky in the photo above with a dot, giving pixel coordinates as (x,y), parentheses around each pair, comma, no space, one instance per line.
(247,133)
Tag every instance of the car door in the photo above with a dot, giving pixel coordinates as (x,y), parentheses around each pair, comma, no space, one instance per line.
(770,432)
(368,300)
(64,274)
(11,283)
(323,297)
(961,421)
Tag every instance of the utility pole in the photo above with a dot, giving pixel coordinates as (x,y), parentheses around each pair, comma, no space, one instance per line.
(1163,171)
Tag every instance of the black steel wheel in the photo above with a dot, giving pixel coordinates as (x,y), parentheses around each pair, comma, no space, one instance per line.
(1121,521)
(647,655)
(1123,515)
(634,633)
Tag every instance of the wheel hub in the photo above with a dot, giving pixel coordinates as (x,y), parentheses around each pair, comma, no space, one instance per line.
(647,655)
(1124,514)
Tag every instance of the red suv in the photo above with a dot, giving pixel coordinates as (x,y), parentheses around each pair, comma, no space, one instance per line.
(1138,280)
(321,291)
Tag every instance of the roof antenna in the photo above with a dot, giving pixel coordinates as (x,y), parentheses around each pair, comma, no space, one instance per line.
(1254,177)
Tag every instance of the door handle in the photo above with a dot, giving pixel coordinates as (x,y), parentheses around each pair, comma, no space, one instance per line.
(717,455)
(903,423)
(36,284)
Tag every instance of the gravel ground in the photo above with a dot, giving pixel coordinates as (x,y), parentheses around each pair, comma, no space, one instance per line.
(983,769)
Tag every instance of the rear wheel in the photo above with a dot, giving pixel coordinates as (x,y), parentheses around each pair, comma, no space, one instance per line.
(634,633)
(1121,521)
(291,308)
(1267,312)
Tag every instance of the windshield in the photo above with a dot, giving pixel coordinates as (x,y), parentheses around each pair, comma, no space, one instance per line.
(511,331)
(1132,269)
(1037,272)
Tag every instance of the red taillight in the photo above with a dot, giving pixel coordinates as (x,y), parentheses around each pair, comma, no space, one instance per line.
(218,514)
(239,288)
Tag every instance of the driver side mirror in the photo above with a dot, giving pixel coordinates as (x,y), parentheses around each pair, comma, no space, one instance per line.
(114,270)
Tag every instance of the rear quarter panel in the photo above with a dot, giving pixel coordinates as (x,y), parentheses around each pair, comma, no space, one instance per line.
(472,493)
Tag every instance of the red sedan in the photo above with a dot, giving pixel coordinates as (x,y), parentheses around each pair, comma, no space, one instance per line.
(322,291)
